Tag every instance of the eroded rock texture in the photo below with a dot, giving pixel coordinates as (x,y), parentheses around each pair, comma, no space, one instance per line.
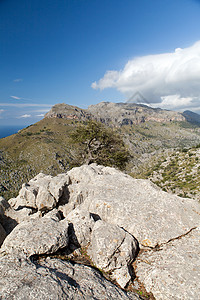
(111,215)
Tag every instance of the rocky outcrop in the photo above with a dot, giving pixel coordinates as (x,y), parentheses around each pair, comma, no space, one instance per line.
(70,112)
(117,114)
(112,250)
(54,279)
(131,113)
(111,216)
(42,192)
(37,236)
(152,216)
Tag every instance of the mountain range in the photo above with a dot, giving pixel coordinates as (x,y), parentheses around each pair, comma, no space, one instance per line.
(149,133)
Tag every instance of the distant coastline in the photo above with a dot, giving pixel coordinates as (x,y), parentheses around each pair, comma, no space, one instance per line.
(9,130)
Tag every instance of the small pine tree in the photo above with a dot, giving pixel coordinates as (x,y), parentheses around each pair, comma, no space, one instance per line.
(99,144)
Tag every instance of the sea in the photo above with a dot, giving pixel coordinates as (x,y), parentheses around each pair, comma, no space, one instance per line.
(9,129)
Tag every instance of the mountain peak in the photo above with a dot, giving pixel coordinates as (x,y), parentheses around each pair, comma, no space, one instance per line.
(117,114)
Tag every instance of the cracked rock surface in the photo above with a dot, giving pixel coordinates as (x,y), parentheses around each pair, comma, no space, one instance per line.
(37,236)
(112,250)
(173,271)
(112,215)
(54,279)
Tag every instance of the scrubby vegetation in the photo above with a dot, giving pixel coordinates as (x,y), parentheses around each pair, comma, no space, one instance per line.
(177,172)
(100,145)
(54,145)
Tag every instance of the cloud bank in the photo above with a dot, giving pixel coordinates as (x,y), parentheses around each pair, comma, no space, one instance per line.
(168,80)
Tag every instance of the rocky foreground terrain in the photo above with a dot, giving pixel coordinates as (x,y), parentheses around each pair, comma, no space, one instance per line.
(97,233)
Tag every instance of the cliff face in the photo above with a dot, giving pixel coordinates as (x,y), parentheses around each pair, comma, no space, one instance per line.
(70,112)
(118,114)
(129,113)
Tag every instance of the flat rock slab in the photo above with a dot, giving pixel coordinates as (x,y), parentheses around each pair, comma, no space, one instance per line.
(173,272)
(37,236)
(149,214)
(54,279)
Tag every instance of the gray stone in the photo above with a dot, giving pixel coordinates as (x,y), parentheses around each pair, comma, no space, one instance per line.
(53,279)
(58,186)
(149,214)
(82,224)
(43,192)
(45,201)
(172,272)
(26,198)
(37,236)
(112,250)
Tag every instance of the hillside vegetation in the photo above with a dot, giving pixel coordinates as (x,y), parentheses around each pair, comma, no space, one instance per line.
(47,145)
(176,172)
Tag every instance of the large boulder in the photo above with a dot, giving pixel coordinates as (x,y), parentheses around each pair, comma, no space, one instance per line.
(37,236)
(152,216)
(42,193)
(81,224)
(113,250)
(54,279)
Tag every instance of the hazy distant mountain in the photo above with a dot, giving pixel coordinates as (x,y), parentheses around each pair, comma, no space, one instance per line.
(191,117)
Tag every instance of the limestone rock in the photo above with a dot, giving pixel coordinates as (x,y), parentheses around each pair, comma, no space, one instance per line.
(81,226)
(53,279)
(45,201)
(43,192)
(37,236)
(173,272)
(57,186)
(123,209)
(112,250)
(26,198)
(149,214)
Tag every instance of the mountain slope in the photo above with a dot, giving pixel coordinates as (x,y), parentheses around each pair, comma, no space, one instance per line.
(46,145)
(176,172)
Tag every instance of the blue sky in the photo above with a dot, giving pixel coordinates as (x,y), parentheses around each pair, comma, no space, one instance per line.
(82,52)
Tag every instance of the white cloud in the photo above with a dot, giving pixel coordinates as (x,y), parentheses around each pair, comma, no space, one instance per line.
(172,80)
(25,104)
(24,116)
(15,97)
(18,80)
(41,115)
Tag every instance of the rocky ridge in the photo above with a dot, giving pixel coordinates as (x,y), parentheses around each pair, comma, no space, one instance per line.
(109,216)
(117,114)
